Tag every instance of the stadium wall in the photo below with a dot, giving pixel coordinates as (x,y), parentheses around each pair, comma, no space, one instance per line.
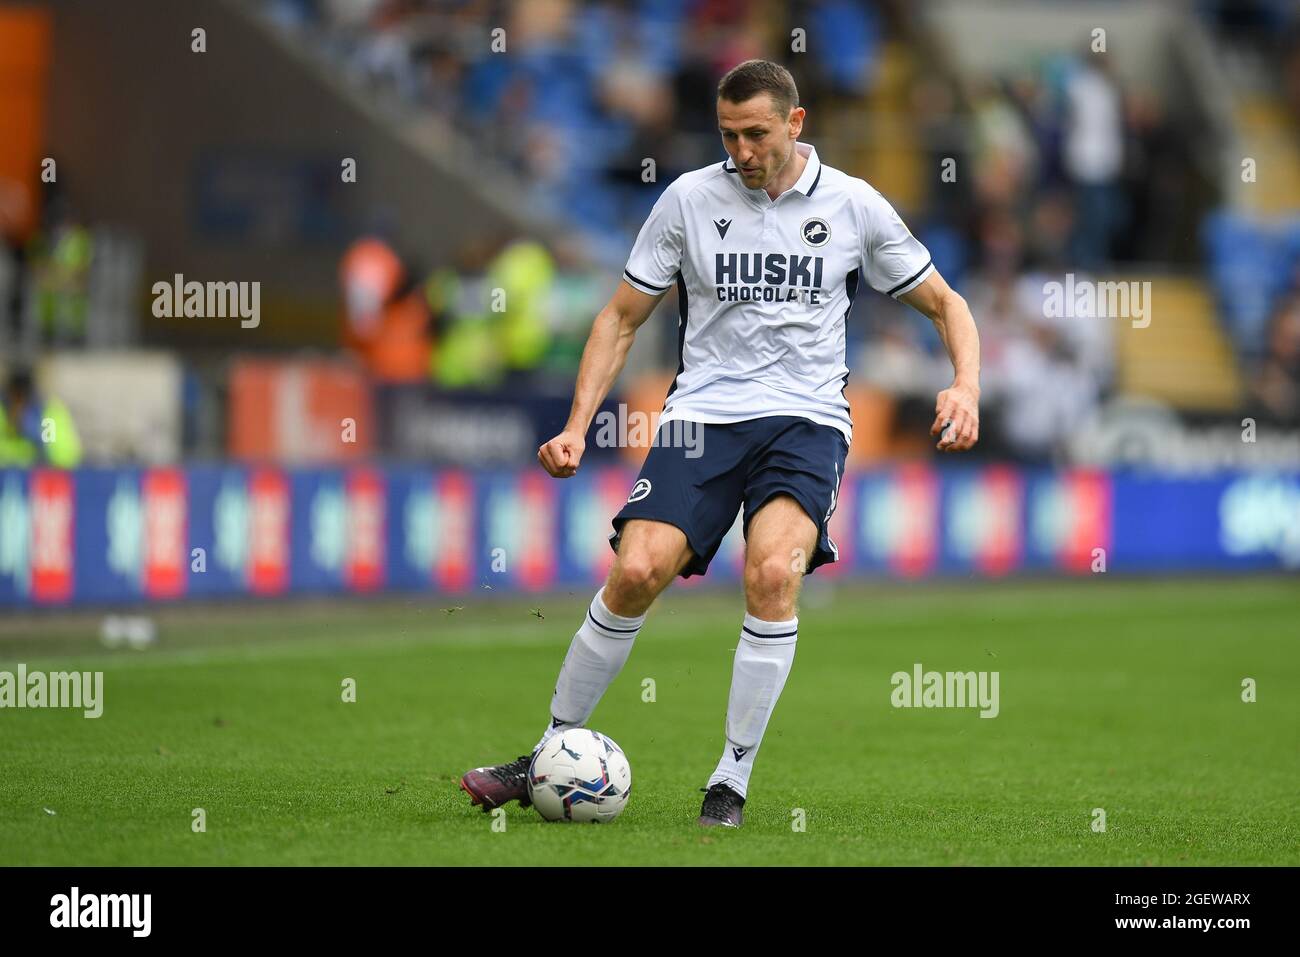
(224,182)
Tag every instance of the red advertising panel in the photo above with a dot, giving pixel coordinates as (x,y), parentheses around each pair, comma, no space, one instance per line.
(268,534)
(1089,507)
(365,549)
(916,499)
(611,494)
(52,516)
(538,542)
(453,562)
(166,533)
(998,550)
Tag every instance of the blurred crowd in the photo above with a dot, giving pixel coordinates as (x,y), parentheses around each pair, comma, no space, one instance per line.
(1069,171)
(1254,264)
(508,312)
(585,91)
(1053,174)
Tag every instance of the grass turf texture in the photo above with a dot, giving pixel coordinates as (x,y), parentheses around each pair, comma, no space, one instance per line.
(1122,695)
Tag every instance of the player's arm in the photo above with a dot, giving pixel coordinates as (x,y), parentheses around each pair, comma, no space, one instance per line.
(959,403)
(603,357)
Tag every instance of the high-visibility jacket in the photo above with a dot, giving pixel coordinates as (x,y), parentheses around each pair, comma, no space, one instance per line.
(45,435)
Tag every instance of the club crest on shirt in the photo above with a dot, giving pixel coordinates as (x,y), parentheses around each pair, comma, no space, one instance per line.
(639,491)
(815,232)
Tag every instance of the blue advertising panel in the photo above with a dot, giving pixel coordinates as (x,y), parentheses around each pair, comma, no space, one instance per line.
(129,535)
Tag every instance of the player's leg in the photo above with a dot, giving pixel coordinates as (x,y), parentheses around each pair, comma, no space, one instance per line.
(794,479)
(682,505)
(781,537)
(650,554)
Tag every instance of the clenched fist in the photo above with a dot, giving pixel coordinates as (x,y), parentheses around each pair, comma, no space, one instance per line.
(561,455)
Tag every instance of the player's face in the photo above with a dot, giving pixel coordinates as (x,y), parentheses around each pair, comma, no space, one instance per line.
(759,140)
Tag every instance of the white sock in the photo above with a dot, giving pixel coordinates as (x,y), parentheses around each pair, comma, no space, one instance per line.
(596,656)
(763,659)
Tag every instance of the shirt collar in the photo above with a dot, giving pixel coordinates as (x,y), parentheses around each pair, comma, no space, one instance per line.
(812,173)
(807,182)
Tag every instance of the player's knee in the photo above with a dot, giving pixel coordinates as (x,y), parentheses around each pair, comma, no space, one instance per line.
(771,579)
(637,575)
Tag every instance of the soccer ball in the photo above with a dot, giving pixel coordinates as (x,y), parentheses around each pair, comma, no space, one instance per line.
(579,775)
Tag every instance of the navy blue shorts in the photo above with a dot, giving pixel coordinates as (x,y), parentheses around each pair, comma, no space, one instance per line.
(738,463)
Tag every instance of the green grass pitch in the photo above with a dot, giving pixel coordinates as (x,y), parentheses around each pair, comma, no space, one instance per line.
(1123,695)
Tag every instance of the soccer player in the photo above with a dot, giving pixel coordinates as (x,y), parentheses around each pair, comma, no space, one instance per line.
(767,250)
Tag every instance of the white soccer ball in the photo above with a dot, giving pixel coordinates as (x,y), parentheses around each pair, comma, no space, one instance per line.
(579,775)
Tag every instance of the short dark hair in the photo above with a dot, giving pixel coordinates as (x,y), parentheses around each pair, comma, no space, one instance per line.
(747,80)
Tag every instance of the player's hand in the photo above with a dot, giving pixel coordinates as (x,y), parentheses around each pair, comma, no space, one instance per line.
(561,455)
(957,418)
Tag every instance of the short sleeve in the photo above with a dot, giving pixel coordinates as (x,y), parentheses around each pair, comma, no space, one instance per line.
(657,255)
(894,259)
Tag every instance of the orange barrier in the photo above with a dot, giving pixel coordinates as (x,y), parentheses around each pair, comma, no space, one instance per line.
(299,412)
(871,409)
(25,36)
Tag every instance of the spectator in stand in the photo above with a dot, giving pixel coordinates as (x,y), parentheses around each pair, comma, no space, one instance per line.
(35,429)
(386,319)
(59,254)
(1047,392)
(1277,385)
(1094,158)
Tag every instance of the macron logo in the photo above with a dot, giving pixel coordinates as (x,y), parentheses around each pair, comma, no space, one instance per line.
(102,910)
(722,225)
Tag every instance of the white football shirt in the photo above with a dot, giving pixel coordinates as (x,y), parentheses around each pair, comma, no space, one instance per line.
(764,287)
